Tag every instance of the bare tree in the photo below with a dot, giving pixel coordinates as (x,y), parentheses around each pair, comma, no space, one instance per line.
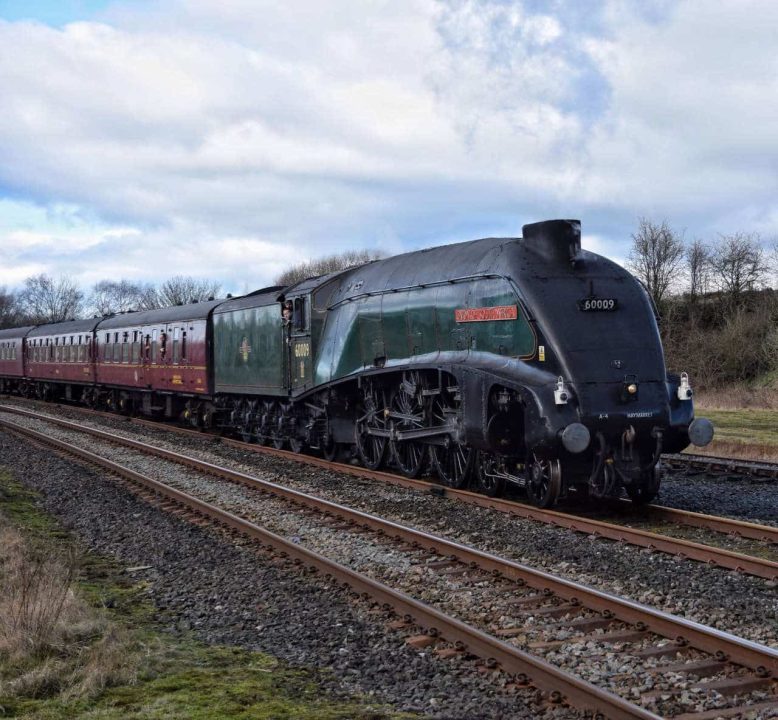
(10,312)
(45,299)
(328,264)
(112,296)
(698,268)
(656,257)
(739,264)
(179,290)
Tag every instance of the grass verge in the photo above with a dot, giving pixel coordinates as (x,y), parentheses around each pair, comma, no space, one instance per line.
(750,434)
(77,640)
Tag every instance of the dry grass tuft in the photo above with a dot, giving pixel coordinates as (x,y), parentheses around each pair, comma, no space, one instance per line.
(736,397)
(51,641)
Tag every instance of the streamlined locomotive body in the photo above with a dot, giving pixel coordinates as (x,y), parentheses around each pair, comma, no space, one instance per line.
(526,361)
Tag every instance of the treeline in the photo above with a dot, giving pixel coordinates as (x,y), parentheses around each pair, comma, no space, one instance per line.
(717,301)
(45,299)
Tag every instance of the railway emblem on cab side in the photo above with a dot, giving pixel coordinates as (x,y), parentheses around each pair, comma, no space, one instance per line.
(244,349)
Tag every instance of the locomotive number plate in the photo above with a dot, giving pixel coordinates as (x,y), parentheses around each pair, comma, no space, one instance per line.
(594,304)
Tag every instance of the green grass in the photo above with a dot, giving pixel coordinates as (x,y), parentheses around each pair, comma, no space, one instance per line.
(189,680)
(174,677)
(748,433)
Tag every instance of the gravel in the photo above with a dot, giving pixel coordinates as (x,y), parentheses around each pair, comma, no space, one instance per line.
(473,601)
(735,496)
(226,593)
(740,604)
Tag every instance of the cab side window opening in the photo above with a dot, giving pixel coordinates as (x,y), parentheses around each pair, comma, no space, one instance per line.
(298,317)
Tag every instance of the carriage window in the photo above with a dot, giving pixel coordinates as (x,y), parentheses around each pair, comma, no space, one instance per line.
(135,347)
(154,346)
(125,346)
(183,345)
(176,347)
(13,351)
(162,346)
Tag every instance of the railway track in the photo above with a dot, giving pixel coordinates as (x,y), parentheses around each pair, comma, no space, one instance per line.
(539,617)
(749,563)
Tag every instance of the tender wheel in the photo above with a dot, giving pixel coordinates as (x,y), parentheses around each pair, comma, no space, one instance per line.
(408,414)
(247,417)
(371,449)
(544,481)
(266,423)
(647,488)
(489,483)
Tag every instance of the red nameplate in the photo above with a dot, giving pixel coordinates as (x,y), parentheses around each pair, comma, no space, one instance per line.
(501,312)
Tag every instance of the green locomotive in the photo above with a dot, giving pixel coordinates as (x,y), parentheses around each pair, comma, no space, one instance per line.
(520,360)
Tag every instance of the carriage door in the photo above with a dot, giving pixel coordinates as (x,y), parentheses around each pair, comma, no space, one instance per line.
(300,345)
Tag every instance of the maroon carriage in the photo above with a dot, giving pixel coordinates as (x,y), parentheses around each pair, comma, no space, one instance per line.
(156,361)
(60,359)
(12,355)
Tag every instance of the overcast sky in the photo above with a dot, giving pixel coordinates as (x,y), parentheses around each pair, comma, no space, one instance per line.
(227,139)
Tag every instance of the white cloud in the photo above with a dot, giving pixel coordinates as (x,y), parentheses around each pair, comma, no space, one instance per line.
(233,137)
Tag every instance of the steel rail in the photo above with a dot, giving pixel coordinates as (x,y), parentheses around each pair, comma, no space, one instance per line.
(688,549)
(728,526)
(707,639)
(539,673)
(757,468)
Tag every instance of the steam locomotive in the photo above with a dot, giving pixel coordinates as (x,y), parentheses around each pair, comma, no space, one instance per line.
(503,361)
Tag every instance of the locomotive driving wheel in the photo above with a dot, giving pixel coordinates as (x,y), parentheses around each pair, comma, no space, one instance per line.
(408,414)
(647,488)
(370,448)
(544,481)
(453,461)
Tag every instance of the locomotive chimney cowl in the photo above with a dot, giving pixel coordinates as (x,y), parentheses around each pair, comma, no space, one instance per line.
(557,241)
